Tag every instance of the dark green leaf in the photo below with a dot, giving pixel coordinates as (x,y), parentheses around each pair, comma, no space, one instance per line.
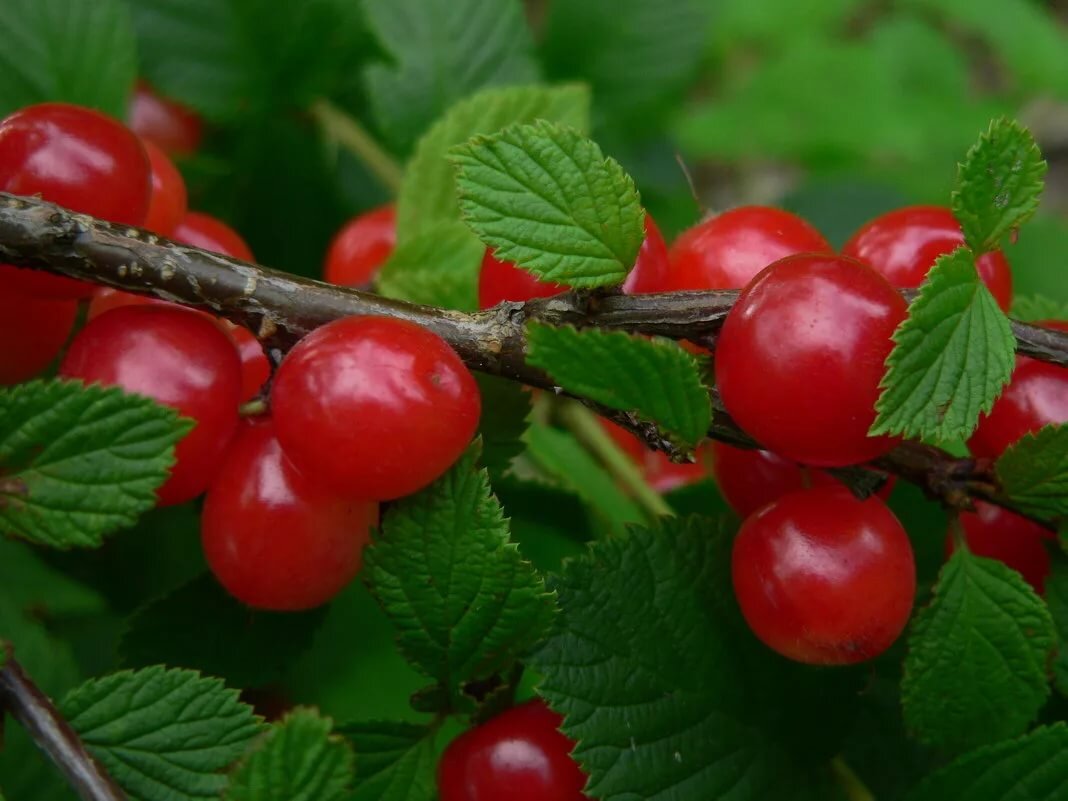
(976,667)
(952,356)
(464,601)
(201,626)
(1033,472)
(298,760)
(394,761)
(66,50)
(31,584)
(545,198)
(442,51)
(79,462)
(438,267)
(655,378)
(1056,596)
(999,185)
(505,409)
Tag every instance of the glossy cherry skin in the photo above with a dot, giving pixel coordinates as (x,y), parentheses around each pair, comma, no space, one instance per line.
(1017,542)
(209,233)
(662,474)
(1037,396)
(824,578)
(173,127)
(77,158)
(361,247)
(801,354)
(749,479)
(373,407)
(35,330)
(904,244)
(520,755)
(650,271)
(273,538)
(727,250)
(167,205)
(179,358)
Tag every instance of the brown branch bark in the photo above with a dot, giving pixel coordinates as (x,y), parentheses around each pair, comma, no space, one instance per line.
(281,308)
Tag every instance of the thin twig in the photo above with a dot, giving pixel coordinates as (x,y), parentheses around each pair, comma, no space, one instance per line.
(348,132)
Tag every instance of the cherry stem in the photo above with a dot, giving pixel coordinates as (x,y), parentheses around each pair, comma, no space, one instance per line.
(346,131)
(854,788)
(25,702)
(584,425)
(253,408)
(956,530)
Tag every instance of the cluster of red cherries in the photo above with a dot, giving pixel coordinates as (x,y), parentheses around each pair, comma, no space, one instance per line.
(367,409)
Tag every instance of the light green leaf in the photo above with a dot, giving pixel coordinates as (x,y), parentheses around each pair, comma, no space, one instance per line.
(1030,768)
(437,267)
(1033,472)
(1036,308)
(79,462)
(428,194)
(657,379)
(544,197)
(394,761)
(998,185)
(298,760)
(667,693)
(952,356)
(66,50)
(465,603)
(442,50)
(164,735)
(976,667)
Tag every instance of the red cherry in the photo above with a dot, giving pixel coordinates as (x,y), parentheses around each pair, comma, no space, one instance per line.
(167,205)
(208,233)
(652,265)
(1019,543)
(173,127)
(77,158)
(520,755)
(361,247)
(37,327)
(274,539)
(107,298)
(904,244)
(178,358)
(824,578)
(801,354)
(727,250)
(374,407)
(662,474)
(1037,396)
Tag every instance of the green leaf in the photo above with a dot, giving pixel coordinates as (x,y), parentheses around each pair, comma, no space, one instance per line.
(79,462)
(164,735)
(66,50)
(952,356)
(657,379)
(428,193)
(201,626)
(1030,768)
(998,185)
(505,408)
(464,601)
(1033,472)
(437,267)
(394,761)
(442,51)
(298,760)
(30,583)
(1036,308)
(545,197)
(665,690)
(1056,596)
(976,668)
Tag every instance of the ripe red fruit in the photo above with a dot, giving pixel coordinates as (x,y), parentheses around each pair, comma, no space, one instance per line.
(361,247)
(801,354)
(167,204)
(727,250)
(520,755)
(173,127)
(904,244)
(1037,396)
(651,267)
(39,327)
(178,358)
(824,578)
(208,233)
(1019,543)
(273,538)
(374,407)
(77,158)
